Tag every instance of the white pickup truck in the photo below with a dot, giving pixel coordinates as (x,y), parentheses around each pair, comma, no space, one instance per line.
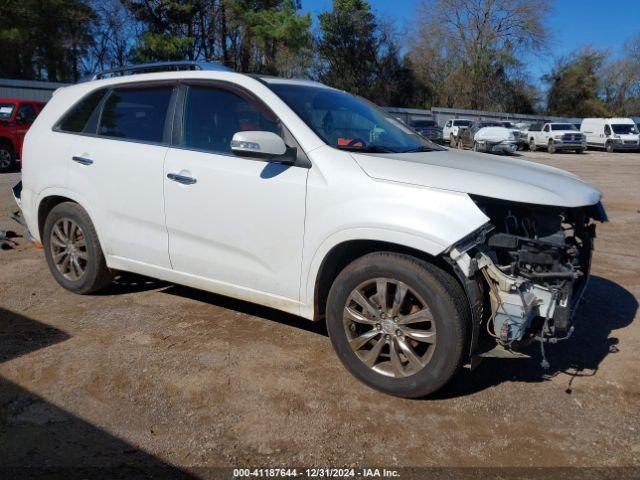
(556,136)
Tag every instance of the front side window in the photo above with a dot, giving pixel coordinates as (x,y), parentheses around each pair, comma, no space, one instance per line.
(350,123)
(213,115)
(607,130)
(136,113)
(76,120)
(6,110)
(27,113)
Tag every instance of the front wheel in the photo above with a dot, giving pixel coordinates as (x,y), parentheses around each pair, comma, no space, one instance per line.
(609,147)
(552,147)
(532,145)
(397,323)
(6,158)
(476,148)
(72,250)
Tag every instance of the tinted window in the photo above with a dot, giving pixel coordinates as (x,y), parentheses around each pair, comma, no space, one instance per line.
(624,128)
(136,113)
(27,112)
(462,123)
(76,119)
(212,116)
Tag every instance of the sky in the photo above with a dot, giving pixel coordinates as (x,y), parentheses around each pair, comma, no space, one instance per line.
(603,24)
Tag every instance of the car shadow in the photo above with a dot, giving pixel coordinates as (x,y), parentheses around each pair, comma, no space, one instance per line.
(42,440)
(608,307)
(248,308)
(126,282)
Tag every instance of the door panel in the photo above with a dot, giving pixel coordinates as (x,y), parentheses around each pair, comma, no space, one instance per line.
(240,223)
(117,166)
(122,182)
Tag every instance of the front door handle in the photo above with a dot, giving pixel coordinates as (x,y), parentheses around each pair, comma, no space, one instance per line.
(82,160)
(176,177)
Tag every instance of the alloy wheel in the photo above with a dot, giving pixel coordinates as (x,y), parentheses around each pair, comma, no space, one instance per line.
(389,327)
(69,249)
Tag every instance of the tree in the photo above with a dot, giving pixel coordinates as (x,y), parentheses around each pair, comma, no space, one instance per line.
(45,39)
(347,46)
(466,51)
(574,85)
(620,81)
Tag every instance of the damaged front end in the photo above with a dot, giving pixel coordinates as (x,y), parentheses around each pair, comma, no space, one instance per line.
(525,272)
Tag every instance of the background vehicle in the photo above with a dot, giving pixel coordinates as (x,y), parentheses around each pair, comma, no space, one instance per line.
(556,136)
(490,137)
(303,198)
(16,116)
(520,134)
(428,129)
(611,133)
(450,129)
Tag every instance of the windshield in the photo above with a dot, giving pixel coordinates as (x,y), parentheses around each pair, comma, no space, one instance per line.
(562,126)
(6,110)
(462,123)
(423,123)
(350,123)
(489,124)
(624,129)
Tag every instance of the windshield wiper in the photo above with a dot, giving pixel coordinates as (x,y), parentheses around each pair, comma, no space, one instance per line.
(420,149)
(369,149)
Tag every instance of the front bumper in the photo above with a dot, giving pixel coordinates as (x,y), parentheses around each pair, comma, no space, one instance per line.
(503,147)
(626,146)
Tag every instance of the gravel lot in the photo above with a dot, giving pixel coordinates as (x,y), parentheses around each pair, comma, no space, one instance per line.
(151,374)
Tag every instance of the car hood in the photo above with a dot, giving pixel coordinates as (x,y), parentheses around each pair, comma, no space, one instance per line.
(494,134)
(481,174)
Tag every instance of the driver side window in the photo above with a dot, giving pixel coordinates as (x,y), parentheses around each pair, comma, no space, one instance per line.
(213,115)
(27,113)
(607,130)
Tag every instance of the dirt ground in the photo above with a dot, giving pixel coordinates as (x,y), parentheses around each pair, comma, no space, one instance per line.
(156,375)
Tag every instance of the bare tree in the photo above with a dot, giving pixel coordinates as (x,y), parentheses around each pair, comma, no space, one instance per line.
(468,49)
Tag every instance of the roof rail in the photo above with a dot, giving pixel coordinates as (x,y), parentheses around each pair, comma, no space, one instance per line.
(159,67)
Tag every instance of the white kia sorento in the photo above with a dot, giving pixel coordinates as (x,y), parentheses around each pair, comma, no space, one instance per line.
(309,200)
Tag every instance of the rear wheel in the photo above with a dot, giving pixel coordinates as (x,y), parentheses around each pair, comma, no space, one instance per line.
(73,251)
(7,158)
(398,324)
(551,148)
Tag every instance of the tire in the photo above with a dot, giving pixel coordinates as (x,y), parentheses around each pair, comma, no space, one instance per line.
(532,145)
(7,158)
(551,148)
(475,147)
(609,147)
(443,298)
(580,150)
(452,139)
(460,145)
(89,259)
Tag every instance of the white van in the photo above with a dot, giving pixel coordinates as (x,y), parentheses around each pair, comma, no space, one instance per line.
(611,133)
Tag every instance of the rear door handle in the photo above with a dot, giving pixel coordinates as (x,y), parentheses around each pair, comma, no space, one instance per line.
(176,177)
(82,160)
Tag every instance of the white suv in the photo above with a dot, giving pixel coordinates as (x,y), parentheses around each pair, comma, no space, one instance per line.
(309,200)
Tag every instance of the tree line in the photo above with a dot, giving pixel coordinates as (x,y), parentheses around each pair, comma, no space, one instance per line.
(458,53)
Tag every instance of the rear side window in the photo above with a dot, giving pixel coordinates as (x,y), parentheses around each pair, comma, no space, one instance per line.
(136,113)
(77,118)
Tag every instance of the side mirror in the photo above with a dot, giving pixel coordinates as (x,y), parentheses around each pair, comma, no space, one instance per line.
(258,144)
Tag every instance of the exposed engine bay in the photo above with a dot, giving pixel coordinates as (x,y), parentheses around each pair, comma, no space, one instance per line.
(530,265)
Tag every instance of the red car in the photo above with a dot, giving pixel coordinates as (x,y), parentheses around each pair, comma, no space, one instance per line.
(16,116)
